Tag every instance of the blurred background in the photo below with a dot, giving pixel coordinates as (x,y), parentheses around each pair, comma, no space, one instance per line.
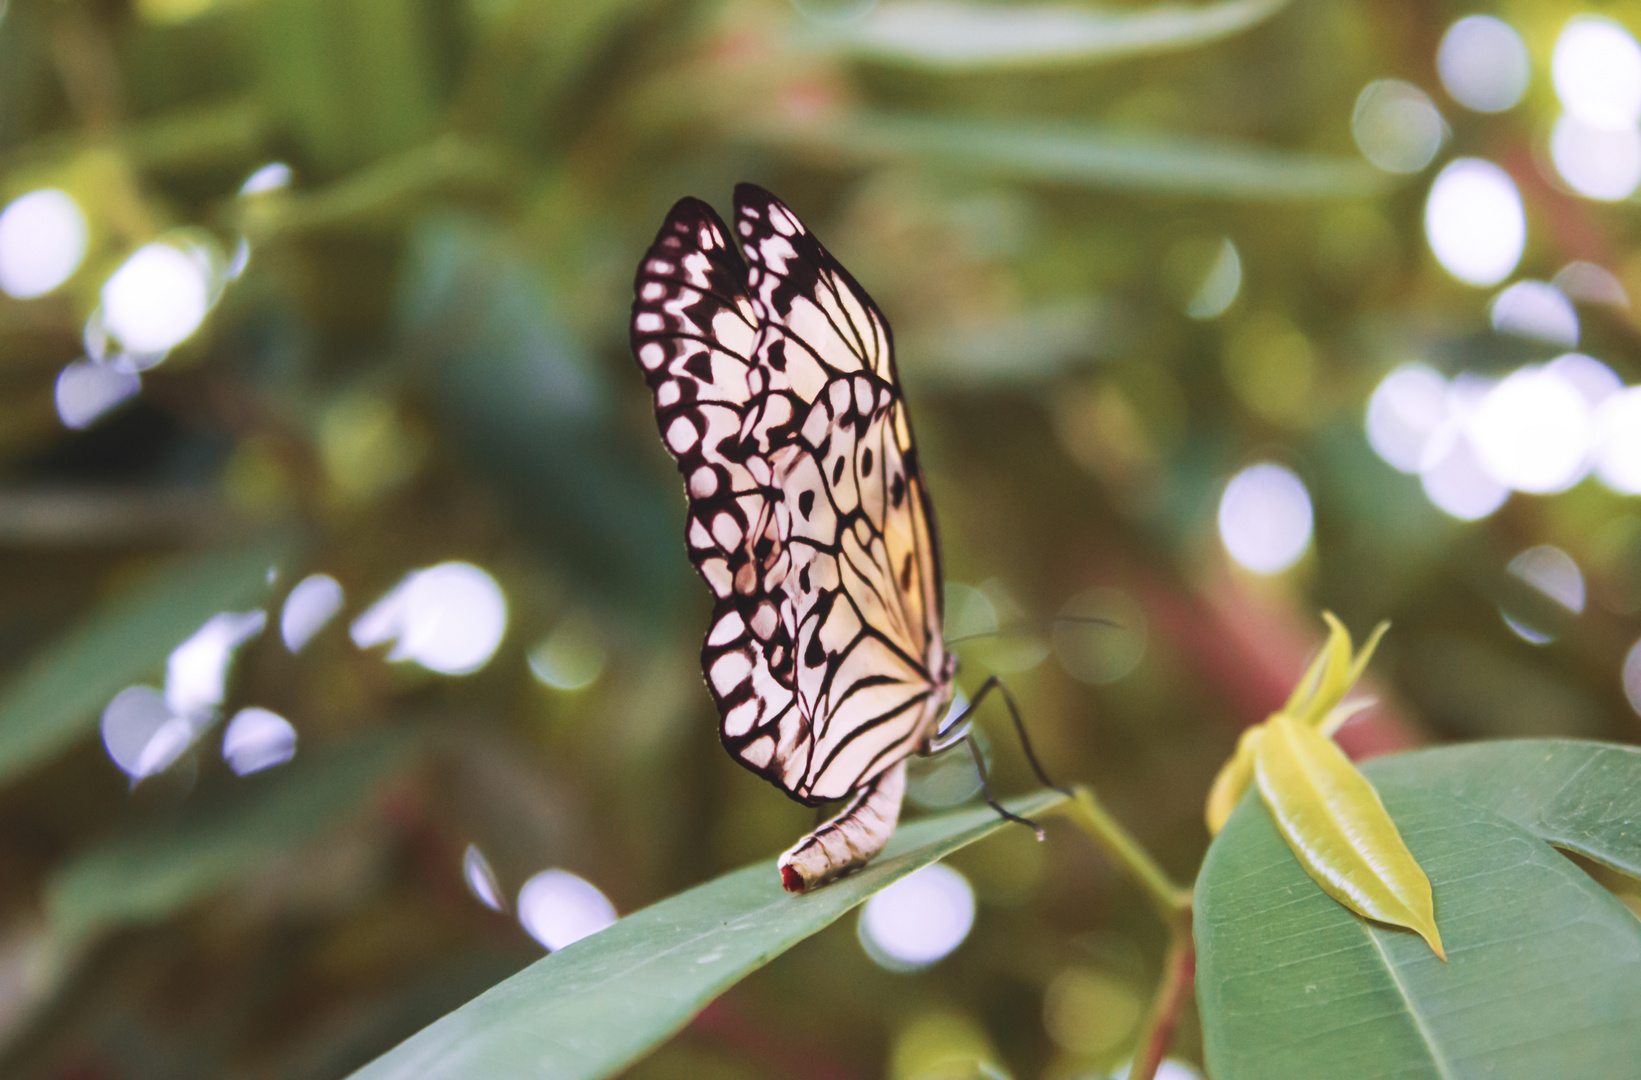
(348,638)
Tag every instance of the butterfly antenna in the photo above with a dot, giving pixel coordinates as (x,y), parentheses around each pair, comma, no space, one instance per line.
(1037,624)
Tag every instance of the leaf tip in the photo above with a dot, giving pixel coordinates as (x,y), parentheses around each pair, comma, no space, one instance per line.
(1433,939)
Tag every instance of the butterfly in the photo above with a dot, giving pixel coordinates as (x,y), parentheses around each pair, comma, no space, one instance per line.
(775,389)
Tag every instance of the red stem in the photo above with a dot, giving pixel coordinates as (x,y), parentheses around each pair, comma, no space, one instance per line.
(1178,977)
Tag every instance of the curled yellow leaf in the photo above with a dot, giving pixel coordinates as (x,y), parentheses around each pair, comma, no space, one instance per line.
(1317,701)
(1325,681)
(1233,779)
(1333,820)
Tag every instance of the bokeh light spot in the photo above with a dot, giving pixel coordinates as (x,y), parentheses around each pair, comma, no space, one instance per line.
(1532,432)
(1455,482)
(311,604)
(969,612)
(257,739)
(1220,284)
(367,447)
(1596,68)
(1553,573)
(1632,676)
(1090,1011)
(449,618)
(1167,1069)
(129,724)
(1101,652)
(1598,163)
(1535,309)
(86,389)
(1589,376)
(1271,366)
(944,1045)
(156,298)
(1588,283)
(948,778)
(1265,518)
(1483,63)
(1397,126)
(274,176)
(558,908)
(1474,221)
(919,919)
(42,241)
(170,742)
(572,657)
(481,879)
(196,672)
(1406,408)
(1618,441)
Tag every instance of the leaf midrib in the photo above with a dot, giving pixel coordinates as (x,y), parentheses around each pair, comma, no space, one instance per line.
(1426,1035)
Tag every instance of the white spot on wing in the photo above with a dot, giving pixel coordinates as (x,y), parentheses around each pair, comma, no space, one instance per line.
(726,629)
(716,571)
(681,435)
(738,721)
(760,752)
(727,531)
(729,670)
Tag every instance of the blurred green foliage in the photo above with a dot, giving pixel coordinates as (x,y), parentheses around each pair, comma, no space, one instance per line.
(425,359)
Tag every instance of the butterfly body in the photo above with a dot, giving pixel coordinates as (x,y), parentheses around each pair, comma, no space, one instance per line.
(775,389)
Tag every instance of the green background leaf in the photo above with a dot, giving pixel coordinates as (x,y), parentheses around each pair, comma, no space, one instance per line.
(1578,795)
(58,697)
(1154,163)
(169,865)
(965,36)
(601,1003)
(1540,979)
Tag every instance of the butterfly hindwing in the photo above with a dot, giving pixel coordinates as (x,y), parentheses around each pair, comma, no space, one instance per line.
(775,390)
(693,333)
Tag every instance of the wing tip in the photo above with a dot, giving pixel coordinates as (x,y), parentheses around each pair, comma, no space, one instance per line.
(688,214)
(746,192)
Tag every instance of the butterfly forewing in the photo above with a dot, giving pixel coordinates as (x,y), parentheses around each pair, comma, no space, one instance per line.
(775,389)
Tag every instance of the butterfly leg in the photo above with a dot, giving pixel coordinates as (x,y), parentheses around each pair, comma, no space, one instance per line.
(985,790)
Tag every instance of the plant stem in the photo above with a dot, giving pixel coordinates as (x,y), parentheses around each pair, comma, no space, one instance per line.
(1171,900)
(1179,972)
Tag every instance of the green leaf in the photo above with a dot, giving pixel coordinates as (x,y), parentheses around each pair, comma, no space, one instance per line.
(162,869)
(530,408)
(1109,159)
(1577,795)
(956,36)
(1333,820)
(354,78)
(600,1004)
(56,700)
(1542,960)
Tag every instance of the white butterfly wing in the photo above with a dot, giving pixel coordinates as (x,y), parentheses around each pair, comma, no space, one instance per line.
(775,389)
